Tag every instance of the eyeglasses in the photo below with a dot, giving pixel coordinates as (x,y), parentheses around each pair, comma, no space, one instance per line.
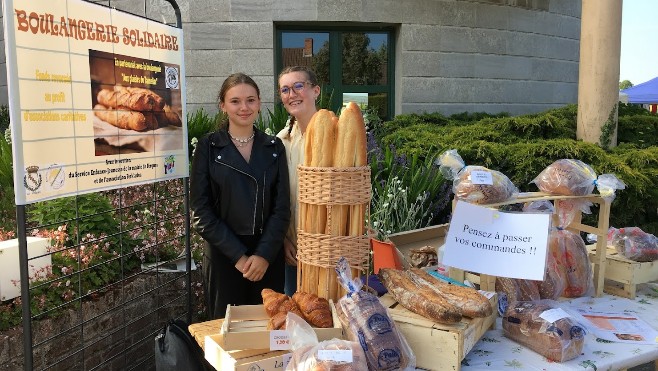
(298,87)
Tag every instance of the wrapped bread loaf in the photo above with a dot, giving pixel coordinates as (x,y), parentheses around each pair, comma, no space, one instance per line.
(545,329)
(367,321)
(571,177)
(634,244)
(555,277)
(574,262)
(475,184)
(513,290)
(309,358)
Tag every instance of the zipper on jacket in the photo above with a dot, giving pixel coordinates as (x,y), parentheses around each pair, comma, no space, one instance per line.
(253,225)
(262,209)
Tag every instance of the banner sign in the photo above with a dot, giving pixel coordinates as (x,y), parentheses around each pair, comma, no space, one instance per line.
(96,98)
(502,244)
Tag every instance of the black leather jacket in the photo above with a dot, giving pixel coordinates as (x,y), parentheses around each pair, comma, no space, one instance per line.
(230,197)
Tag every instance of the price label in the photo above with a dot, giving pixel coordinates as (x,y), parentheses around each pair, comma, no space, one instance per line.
(481,177)
(279,340)
(335,355)
(286,359)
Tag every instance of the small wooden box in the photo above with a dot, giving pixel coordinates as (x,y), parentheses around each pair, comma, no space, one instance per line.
(437,346)
(622,275)
(243,360)
(245,327)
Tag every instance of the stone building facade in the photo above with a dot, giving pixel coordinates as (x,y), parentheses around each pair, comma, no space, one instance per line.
(516,56)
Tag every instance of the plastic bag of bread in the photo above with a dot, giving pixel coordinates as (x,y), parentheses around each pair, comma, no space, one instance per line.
(569,251)
(328,355)
(555,277)
(571,177)
(367,321)
(634,244)
(475,184)
(545,328)
(512,290)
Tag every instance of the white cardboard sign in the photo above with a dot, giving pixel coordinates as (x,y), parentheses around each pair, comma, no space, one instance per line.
(489,241)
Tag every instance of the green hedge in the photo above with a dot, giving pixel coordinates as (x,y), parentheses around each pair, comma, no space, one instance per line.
(521,147)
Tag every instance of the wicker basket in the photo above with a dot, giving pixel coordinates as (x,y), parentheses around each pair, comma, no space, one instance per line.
(318,250)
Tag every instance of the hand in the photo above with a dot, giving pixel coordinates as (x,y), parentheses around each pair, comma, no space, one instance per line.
(255,268)
(241,263)
(290,252)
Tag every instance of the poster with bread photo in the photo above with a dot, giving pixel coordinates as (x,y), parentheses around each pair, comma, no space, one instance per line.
(96,98)
(136,104)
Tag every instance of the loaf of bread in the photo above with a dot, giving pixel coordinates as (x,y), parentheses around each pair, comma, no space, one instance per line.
(558,341)
(366,321)
(309,357)
(555,277)
(136,99)
(315,310)
(514,290)
(418,298)
(472,303)
(567,177)
(124,118)
(277,306)
(490,186)
(467,188)
(575,260)
(634,244)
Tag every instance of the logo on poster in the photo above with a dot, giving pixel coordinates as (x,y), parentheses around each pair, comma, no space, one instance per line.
(169,163)
(171,77)
(32,180)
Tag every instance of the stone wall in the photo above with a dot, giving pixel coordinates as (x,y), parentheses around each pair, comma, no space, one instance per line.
(115,330)
(517,56)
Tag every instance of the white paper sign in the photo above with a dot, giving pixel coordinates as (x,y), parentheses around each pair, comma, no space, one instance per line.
(481,177)
(335,355)
(497,243)
(279,340)
(553,315)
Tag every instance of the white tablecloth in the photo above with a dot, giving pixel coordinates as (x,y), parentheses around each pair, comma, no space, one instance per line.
(495,352)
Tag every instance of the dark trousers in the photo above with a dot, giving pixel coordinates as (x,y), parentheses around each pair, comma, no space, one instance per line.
(224,284)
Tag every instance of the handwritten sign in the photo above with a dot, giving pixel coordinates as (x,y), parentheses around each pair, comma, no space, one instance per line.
(279,340)
(489,241)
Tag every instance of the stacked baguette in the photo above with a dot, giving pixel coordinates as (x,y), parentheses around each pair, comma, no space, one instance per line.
(332,142)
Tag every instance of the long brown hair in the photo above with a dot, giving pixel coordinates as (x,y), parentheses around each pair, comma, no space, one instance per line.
(232,81)
(310,76)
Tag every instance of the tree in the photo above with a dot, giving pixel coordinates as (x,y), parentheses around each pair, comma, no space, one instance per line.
(625,85)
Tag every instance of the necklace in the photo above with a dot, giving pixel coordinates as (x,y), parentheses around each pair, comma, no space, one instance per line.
(242,142)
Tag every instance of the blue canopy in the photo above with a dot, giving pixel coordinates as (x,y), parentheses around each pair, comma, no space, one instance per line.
(644,93)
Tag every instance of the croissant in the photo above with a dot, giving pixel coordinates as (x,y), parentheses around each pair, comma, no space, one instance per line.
(315,309)
(276,303)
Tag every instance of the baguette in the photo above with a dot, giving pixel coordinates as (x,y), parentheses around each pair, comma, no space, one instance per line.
(168,117)
(136,99)
(418,298)
(472,303)
(125,119)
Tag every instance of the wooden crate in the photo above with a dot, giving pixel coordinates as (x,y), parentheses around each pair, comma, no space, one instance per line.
(598,257)
(245,327)
(435,345)
(243,360)
(622,275)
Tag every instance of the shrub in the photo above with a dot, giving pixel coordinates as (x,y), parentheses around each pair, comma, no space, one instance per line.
(521,147)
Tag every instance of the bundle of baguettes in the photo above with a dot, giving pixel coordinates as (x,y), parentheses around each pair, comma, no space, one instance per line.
(338,142)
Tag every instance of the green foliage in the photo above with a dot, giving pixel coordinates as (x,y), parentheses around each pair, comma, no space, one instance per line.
(200,123)
(94,211)
(625,84)
(7,203)
(640,130)
(608,128)
(275,121)
(4,118)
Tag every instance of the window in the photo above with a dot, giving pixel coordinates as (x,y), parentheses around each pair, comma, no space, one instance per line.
(351,64)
